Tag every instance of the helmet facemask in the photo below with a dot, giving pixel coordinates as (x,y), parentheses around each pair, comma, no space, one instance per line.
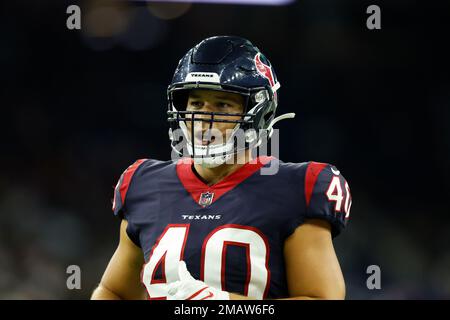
(212,147)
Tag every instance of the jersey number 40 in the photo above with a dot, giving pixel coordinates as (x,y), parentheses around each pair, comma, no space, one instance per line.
(334,193)
(169,250)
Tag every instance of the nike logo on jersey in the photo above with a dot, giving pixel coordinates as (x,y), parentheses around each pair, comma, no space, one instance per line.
(336,172)
(201,216)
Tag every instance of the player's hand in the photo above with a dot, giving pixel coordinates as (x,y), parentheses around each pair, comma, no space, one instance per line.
(188,288)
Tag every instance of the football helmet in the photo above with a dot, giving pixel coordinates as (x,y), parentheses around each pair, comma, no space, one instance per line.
(230,64)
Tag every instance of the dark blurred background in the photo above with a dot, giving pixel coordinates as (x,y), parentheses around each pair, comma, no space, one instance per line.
(79,106)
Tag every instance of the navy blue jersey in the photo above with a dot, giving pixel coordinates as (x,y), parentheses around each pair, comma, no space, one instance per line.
(230,234)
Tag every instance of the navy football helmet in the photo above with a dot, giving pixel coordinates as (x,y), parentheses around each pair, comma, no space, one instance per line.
(231,64)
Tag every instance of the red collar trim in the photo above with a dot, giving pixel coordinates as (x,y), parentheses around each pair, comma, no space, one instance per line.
(197,187)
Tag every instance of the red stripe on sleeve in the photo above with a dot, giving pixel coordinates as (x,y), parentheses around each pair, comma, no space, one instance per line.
(312,173)
(127,175)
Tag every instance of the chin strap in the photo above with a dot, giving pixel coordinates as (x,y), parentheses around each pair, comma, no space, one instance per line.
(269,129)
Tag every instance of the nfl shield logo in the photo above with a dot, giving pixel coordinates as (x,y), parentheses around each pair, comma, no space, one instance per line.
(206,199)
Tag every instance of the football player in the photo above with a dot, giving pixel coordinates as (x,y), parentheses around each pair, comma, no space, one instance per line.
(213,225)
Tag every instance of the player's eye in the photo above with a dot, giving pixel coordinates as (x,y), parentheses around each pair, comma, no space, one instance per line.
(195,104)
(224,105)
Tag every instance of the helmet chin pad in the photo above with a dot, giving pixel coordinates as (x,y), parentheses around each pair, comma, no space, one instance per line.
(213,162)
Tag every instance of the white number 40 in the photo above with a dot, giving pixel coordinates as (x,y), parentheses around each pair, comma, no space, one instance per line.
(334,193)
(169,250)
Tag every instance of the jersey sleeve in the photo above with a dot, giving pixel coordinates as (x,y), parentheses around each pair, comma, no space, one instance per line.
(327,195)
(120,196)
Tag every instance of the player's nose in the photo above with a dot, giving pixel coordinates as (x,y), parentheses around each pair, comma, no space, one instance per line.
(207,107)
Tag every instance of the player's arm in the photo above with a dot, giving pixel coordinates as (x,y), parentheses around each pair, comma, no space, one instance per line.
(121,279)
(312,267)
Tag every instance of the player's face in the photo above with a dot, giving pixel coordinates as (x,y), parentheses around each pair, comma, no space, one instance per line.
(213,101)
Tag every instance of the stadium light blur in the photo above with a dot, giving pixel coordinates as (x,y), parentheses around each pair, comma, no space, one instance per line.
(247,2)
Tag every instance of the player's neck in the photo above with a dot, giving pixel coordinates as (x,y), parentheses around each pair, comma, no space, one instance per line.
(212,176)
